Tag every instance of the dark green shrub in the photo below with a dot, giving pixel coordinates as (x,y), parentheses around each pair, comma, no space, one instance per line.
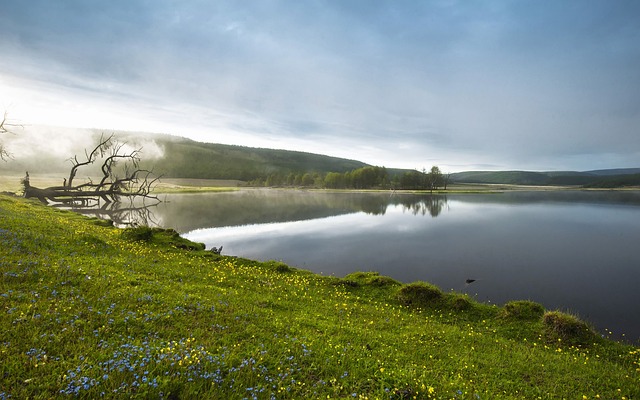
(279,266)
(383,281)
(561,327)
(458,302)
(523,309)
(372,279)
(282,267)
(361,277)
(138,234)
(419,293)
(92,241)
(348,283)
(102,222)
(166,237)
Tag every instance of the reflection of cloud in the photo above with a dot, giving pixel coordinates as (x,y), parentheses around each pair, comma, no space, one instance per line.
(279,229)
(330,227)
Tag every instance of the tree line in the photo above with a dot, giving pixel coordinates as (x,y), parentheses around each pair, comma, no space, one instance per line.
(361,178)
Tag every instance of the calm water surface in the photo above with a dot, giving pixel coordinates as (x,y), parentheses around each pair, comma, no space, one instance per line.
(574,251)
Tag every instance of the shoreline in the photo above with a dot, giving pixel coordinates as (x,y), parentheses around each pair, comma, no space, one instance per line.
(11,184)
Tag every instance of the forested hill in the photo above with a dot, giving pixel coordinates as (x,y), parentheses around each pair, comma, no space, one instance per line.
(179,157)
(598,178)
(184,158)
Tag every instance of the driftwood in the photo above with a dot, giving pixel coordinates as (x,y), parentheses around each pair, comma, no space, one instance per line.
(121,179)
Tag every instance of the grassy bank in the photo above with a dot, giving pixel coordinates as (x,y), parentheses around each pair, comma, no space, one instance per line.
(90,311)
(11,184)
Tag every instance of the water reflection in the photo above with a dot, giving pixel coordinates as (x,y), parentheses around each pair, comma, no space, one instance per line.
(570,250)
(187,212)
(431,205)
(121,214)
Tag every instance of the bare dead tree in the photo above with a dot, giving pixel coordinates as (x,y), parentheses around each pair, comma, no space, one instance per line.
(6,127)
(122,178)
(446,179)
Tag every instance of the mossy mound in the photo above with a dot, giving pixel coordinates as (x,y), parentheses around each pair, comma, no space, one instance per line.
(523,310)
(371,279)
(566,328)
(419,294)
(278,266)
(168,237)
(458,302)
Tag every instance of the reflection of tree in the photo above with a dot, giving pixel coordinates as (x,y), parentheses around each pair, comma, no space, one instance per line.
(120,215)
(374,205)
(187,212)
(431,204)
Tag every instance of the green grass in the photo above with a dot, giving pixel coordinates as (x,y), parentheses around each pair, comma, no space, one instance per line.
(91,311)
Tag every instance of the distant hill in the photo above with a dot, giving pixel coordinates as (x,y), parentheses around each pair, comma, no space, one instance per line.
(615,181)
(185,158)
(178,157)
(618,171)
(599,178)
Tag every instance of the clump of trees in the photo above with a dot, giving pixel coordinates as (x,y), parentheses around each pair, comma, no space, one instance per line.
(361,178)
(423,180)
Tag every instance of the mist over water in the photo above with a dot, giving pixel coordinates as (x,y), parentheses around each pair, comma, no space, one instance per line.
(574,251)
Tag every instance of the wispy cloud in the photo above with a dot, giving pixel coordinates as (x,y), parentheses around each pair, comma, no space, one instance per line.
(404,84)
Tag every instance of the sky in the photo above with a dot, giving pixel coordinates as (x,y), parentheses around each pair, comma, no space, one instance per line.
(465,85)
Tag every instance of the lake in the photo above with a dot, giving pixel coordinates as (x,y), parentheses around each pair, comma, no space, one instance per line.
(578,251)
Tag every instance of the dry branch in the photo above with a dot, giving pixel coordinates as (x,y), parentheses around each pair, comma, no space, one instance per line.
(121,178)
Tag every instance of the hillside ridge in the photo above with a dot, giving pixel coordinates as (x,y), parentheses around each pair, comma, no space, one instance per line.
(179,157)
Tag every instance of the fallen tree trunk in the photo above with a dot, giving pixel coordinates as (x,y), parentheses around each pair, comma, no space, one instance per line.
(111,188)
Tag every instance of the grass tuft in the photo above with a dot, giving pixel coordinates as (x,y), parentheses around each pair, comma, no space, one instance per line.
(458,302)
(371,279)
(566,328)
(279,266)
(419,294)
(159,236)
(138,234)
(523,310)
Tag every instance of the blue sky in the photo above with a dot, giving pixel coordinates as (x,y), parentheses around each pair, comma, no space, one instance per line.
(466,85)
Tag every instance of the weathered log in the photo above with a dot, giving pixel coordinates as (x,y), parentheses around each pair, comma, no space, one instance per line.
(135,182)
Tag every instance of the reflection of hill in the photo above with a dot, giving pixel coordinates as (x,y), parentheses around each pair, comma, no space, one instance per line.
(631,198)
(186,212)
(601,178)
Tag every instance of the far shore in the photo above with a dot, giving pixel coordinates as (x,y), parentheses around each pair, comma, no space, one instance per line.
(11,184)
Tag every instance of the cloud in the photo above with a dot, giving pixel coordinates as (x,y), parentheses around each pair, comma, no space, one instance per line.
(511,84)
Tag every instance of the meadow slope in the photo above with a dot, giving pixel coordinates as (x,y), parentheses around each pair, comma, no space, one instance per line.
(91,311)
